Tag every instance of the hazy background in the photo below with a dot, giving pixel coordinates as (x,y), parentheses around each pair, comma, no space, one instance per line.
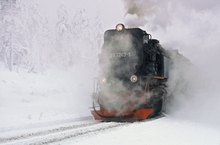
(53,37)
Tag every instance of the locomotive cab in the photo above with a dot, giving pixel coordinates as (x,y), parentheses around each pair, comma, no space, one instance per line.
(133,78)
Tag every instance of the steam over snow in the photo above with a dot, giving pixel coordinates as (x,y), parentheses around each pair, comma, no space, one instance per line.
(192,27)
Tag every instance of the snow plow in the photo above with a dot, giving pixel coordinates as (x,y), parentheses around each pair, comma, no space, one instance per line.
(134,72)
(105,115)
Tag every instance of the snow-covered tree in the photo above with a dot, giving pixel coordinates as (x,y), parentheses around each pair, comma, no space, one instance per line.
(32,41)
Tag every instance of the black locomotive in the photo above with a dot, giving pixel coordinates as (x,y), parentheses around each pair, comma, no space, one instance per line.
(134,72)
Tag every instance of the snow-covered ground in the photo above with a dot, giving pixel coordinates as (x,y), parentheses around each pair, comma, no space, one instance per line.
(54,95)
(162,131)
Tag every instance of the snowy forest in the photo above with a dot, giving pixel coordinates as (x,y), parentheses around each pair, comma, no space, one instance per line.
(32,41)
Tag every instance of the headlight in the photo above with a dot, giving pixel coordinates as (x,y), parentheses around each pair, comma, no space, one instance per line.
(133,78)
(120,27)
(103,80)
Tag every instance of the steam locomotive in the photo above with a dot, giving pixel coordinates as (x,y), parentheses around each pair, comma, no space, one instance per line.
(133,80)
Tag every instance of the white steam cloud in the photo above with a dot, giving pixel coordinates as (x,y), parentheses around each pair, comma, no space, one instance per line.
(136,10)
(192,27)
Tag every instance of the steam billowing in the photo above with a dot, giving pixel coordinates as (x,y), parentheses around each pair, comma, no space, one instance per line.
(136,10)
(193,28)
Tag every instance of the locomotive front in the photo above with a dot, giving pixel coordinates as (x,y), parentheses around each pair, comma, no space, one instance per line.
(131,84)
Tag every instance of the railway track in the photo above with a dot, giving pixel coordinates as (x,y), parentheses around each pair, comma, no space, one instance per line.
(53,135)
(55,132)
